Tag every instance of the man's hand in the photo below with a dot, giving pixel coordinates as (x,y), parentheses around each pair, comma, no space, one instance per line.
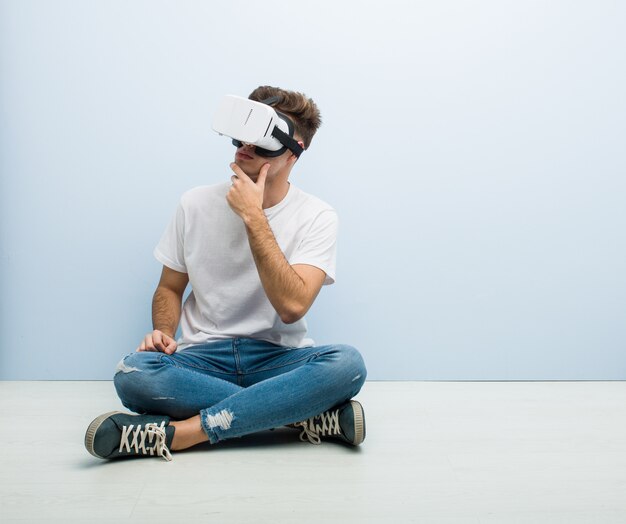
(246,196)
(158,341)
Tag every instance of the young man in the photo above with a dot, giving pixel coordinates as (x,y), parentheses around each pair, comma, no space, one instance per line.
(256,251)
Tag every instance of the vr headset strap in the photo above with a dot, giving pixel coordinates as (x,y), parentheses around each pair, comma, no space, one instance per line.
(271,100)
(287,141)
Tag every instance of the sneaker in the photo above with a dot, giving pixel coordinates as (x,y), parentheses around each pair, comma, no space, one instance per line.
(116,435)
(346,422)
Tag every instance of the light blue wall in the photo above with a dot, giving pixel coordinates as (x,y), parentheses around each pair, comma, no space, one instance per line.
(474,151)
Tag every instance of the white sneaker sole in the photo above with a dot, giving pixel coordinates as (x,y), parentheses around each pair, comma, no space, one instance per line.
(359,422)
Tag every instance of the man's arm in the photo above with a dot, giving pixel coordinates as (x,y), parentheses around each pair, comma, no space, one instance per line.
(166,307)
(290,289)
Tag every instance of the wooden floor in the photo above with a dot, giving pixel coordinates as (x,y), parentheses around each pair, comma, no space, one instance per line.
(436,452)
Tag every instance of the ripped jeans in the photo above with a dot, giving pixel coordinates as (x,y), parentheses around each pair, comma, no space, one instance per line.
(240,385)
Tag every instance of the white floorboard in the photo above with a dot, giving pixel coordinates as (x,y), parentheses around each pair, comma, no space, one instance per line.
(435,452)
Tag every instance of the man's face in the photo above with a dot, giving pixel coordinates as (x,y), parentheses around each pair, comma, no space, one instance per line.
(251,163)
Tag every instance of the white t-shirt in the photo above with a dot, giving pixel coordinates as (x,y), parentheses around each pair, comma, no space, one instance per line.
(208,240)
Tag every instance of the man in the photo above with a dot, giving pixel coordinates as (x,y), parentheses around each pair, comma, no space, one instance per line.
(256,252)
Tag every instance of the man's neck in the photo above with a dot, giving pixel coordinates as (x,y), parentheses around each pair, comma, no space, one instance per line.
(275,191)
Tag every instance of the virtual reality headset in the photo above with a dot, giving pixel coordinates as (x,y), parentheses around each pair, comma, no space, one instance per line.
(257,124)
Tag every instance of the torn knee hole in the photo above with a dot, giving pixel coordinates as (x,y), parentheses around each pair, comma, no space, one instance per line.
(123,368)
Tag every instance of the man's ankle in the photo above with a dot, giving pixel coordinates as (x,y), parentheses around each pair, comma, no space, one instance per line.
(188,433)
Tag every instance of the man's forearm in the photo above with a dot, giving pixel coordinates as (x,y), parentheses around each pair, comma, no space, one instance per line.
(283,286)
(166,306)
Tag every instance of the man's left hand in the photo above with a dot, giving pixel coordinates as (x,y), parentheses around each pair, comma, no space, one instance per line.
(246,196)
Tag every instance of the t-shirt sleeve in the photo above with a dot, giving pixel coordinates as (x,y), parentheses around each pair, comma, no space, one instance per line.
(170,250)
(319,246)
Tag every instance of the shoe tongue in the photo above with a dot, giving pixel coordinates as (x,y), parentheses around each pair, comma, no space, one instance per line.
(169,435)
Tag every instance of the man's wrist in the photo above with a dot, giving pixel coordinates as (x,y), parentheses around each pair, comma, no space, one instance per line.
(164,330)
(254,216)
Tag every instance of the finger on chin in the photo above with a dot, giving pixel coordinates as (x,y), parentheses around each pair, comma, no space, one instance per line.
(236,168)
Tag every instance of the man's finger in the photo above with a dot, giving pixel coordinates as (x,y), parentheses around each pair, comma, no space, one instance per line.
(260,182)
(149,343)
(171,346)
(157,338)
(239,173)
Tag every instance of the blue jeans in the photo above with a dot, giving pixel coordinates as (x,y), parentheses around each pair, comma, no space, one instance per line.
(240,385)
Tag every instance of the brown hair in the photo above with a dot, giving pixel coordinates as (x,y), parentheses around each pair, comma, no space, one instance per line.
(303,111)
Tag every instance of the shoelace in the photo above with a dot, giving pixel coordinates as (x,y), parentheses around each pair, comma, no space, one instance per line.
(153,434)
(312,431)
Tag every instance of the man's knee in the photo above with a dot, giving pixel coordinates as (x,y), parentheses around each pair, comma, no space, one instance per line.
(127,365)
(133,374)
(140,361)
(351,363)
(357,363)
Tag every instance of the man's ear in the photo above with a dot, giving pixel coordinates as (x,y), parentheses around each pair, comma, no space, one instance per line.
(301,144)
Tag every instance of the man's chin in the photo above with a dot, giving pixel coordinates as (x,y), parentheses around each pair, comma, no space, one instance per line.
(247,170)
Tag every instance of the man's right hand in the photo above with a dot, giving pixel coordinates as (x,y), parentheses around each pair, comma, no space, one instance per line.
(158,341)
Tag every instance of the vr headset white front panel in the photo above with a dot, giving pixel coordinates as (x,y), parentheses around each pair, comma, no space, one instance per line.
(248,121)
